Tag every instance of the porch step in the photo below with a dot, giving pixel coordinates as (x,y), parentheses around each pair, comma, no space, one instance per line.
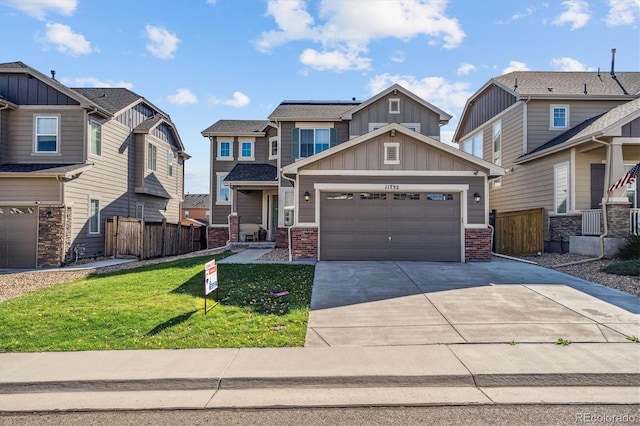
(253,245)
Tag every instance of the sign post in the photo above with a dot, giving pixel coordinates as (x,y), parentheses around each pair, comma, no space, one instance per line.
(211,283)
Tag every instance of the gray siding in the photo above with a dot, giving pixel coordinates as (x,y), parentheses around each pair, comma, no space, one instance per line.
(631,129)
(491,102)
(410,112)
(4,135)
(538,132)
(476,214)
(22,89)
(132,117)
(72,136)
(30,190)
(250,207)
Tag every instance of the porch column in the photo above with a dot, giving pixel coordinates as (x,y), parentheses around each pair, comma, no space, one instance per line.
(616,170)
(618,206)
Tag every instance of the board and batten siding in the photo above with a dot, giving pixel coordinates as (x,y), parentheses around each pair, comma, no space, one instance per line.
(4,135)
(410,112)
(46,190)
(71,137)
(132,117)
(538,118)
(476,214)
(23,89)
(491,102)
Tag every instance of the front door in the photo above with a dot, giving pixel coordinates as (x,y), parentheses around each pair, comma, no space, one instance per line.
(273,212)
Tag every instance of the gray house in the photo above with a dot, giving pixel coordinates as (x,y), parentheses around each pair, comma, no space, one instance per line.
(351,180)
(564,138)
(70,158)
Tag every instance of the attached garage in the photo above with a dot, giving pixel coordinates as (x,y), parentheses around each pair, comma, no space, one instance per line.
(358,225)
(18,237)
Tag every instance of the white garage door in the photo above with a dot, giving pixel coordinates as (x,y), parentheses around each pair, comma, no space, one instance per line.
(390,226)
(18,237)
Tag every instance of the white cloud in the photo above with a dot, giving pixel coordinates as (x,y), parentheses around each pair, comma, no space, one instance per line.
(162,44)
(65,40)
(239,100)
(577,14)
(569,64)
(515,66)
(40,8)
(623,12)
(182,97)
(347,28)
(334,61)
(529,11)
(447,95)
(397,57)
(94,82)
(465,69)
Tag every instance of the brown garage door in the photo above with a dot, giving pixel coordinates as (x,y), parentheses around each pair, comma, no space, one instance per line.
(18,237)
(390,226)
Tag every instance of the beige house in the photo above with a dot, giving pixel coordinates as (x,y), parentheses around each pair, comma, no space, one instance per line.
(70,158)
(351,180)
(563,138)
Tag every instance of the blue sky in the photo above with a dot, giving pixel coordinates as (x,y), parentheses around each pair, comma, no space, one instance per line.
(205,60)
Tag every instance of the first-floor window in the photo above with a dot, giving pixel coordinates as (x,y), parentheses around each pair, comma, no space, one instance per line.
(289,208)
(631,189)
(224,194)
(561,191)
(140,210)
(94,217)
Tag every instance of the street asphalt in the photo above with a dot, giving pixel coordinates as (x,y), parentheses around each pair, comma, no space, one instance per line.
(380,334)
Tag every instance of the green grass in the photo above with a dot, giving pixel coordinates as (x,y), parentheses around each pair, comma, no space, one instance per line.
(162,306)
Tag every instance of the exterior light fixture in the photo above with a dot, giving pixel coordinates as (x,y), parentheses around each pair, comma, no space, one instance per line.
(307,196)
(476,197)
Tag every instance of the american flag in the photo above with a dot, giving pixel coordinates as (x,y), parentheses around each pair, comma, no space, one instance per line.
(626,179)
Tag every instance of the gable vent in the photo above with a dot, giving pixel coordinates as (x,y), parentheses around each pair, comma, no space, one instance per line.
(392,153)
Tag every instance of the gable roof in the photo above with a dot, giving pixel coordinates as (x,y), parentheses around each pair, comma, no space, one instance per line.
(595,127)
(112,99)
(492,168)
(311,110)
(236,128)
(68,171)
(196,201)
(444,117)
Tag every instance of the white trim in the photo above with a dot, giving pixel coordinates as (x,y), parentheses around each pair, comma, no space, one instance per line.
(219,144)
(475,226)
(555,187)
(253,151)
(219,225)
(391,102)
(350,172)
(89,216)
(148,156)
(271,141)
(218,182)
(567,117)
(387,147)
(93,121)
(572,180)
(57,135)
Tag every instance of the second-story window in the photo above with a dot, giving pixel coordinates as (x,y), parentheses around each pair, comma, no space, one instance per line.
(394,106)
(46,134)
(473,145)
(225,151)
(170,162)
(96,138)
(152,157)
(246,150)
(273,148)
(559,117)
(306,142)
(497,150)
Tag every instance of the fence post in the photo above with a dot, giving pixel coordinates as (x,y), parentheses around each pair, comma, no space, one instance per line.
(191,238)
(178,235)
(164,238)
(115,237)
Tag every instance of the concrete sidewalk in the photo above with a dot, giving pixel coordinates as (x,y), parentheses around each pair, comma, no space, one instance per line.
(301,377)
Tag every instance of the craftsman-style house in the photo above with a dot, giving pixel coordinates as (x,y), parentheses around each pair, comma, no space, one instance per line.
(350,180)
(564,138)
(70,158)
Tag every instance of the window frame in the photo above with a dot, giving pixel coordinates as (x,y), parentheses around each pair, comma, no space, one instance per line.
(297,140)
(152,157)
(170,156)
(98,146)
(272,155)
(94,216)
(140,210)
(394,102)
(289,210)
(241,156)
(552,109)
(36,134)
(567,201)
(472,141)
(220,176)
(496,151)
(219,156)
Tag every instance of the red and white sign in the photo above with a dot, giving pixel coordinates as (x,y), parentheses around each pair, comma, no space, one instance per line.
(210,277)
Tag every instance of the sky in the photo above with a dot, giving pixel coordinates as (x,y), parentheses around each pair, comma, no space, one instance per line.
(201,61)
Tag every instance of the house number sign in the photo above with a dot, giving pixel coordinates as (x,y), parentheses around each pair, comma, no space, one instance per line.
(392,187)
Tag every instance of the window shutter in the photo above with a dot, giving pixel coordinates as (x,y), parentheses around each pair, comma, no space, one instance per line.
(295,142)
(333,137)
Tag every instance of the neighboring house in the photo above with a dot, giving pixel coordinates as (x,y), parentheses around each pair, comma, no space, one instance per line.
(563,138)
(70,158)
(195,210)
(351,180)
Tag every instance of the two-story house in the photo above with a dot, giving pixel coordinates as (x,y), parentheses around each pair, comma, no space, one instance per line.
(70,158)
(351,180)
(564,138)
(195,210)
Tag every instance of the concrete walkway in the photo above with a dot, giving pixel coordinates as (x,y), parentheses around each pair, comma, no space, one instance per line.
(472,363)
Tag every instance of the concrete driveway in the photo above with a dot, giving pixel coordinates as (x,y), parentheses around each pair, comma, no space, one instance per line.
(413,303)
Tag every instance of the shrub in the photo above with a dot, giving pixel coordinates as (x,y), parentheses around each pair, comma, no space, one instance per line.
(631,249)
(627,267)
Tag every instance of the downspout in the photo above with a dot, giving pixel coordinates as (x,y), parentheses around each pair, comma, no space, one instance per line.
(604,208)
(293,184)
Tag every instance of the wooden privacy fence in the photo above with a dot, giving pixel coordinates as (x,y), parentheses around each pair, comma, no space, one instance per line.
(128,236)
(519,232)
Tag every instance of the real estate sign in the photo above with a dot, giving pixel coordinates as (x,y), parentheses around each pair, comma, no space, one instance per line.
(210,277)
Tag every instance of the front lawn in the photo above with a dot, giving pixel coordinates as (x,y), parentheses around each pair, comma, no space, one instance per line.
(161,307)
